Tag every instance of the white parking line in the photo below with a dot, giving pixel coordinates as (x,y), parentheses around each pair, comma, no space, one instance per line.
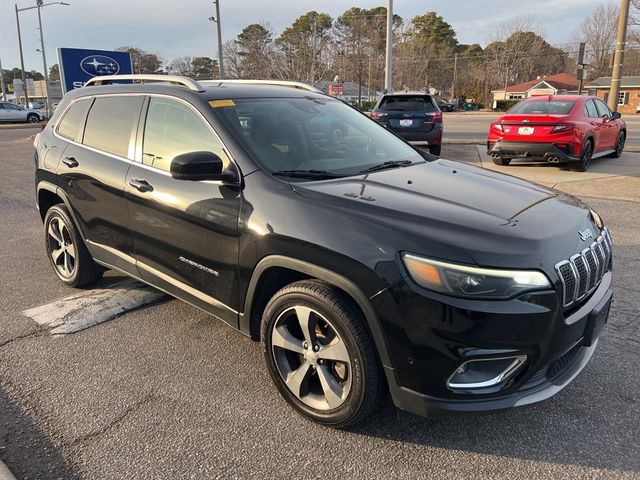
(92,307)
(5,473)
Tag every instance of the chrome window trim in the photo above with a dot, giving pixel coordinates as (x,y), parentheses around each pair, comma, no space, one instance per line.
(88,147)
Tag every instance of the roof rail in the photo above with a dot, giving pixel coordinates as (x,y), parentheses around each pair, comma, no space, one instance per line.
(175,79)
(281,83)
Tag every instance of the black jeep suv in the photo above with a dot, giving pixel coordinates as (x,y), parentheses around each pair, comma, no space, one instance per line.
(361,264)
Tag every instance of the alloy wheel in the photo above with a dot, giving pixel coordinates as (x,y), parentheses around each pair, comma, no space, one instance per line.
(587,153)
(61,247)
(620,143)
(311,357)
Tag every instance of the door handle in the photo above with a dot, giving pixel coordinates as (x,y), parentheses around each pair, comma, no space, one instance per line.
(70,162)
(141,185)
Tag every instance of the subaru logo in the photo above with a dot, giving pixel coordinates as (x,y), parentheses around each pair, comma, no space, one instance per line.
(584,234)
(98,65)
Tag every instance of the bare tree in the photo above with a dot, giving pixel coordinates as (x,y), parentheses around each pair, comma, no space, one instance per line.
(181,66)
(598,31)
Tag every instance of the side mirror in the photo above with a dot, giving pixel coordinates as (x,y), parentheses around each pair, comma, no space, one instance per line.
(196,166)
(616,115)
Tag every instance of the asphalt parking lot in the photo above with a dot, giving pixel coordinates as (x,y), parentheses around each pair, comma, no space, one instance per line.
(167,391)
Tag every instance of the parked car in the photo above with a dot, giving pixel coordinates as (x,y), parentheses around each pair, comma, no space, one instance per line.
(10,112)
(446,106)
(569,129)
(361,266)
(413,116)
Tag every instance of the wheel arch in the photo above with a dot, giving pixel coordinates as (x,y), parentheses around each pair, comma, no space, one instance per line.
(276,271)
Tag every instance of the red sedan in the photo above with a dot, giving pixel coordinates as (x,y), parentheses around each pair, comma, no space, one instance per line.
(571,129)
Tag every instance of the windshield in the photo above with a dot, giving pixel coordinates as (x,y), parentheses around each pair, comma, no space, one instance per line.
(543,107)
(311,134)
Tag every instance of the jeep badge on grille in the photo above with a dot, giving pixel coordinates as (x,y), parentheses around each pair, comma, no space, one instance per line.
(584,234)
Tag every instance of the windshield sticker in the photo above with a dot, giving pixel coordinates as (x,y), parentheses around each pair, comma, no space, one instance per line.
(222,103)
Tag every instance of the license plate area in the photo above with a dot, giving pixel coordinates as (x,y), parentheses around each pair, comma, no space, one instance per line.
(597,320)
(526,130)
(406,122)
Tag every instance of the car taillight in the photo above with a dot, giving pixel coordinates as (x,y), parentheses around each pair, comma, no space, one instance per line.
(437,117)
(36,140)
(378,115)
(561,128)
(497,126)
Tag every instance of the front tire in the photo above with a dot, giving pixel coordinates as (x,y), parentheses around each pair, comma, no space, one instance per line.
(33,118)
(582,165)
(320,355)
(70,259)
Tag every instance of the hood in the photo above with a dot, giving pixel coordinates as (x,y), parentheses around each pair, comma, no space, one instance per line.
(458,212)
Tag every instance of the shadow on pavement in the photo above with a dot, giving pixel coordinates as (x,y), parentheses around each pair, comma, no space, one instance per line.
(557,432)
(25,449)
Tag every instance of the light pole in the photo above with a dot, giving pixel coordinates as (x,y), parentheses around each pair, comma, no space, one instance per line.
(388,71)
(38,6)
(618,56)
(2,95)
(216,20)
(22,74)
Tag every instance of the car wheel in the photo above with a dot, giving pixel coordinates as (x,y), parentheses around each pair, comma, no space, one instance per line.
(622,137)
(33,118)
(501,161)
(435,150)
(320,355)
(67,253)
(582,165)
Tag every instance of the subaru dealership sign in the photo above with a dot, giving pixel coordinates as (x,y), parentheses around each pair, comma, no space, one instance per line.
(78,65)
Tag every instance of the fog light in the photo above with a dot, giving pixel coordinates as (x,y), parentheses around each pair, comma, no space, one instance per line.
(485,372)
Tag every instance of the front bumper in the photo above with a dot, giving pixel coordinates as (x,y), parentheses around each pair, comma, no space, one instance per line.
(530,150)
(428,342)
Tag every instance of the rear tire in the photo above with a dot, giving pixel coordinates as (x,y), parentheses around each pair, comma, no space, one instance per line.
(501,161)
(320,355)
(435,150)
(622,137)
(582,165)
(69,257)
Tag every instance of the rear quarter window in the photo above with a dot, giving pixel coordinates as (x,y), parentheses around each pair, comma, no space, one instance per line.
(407,103)
(73,118)
(110,123)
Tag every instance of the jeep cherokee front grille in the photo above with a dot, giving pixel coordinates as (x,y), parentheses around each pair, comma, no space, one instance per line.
(582,273)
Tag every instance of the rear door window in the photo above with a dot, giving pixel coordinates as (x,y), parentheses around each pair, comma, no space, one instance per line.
(591,109)
(73,118)
(408,103)
(111,123)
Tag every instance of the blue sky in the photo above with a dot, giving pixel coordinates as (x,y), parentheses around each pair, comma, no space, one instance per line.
(173,28)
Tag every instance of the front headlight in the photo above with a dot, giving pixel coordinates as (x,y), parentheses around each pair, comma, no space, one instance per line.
(473,282)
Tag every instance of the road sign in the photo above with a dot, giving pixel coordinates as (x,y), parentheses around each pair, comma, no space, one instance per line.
(78,65)
(336,89)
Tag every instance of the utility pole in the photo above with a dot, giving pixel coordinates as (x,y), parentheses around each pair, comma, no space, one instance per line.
(388,73)
(3,96)
(618,58)
(44,59)
(216,19)
(24,80)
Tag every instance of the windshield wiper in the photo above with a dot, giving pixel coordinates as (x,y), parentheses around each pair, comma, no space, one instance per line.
(317,174)
(389,164)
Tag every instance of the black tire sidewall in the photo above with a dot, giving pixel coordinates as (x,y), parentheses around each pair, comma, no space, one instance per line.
(351,407)
(60,211)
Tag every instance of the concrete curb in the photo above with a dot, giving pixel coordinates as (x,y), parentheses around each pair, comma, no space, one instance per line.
(21,126)
(5,473)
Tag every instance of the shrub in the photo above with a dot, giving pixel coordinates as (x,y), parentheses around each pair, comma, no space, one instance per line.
(504,105)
